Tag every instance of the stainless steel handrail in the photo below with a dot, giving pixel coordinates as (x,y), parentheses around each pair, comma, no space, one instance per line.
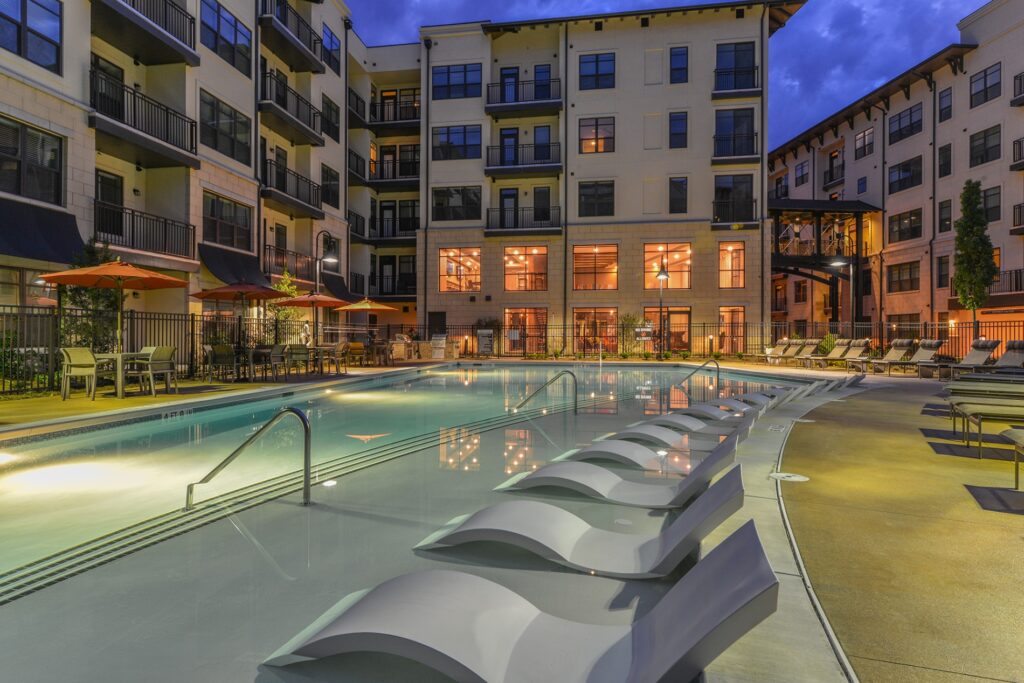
(307,460)
(575,391)
(718,374)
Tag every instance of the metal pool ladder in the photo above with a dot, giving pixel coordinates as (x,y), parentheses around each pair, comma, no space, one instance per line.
(307,460)
(575,391)
(718,374)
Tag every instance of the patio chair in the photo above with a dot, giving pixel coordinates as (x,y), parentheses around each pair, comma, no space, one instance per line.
(296,356)
(339,357)
(926,350)
(804,352)
(978,357)
(220,357)
(159,363)
(469,628)
(898,350)
(837,352)
(561,537)
(356,352)
(278,358)
(80,362)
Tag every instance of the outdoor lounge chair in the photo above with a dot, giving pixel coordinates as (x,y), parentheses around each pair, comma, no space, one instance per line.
(604,484)
(159,363)
(978,357)
(471,629)
(926,350)
(632,454)
(858,351)
(1012,358)
(805,352)
(898,350)
(689,423)
(561,537)
(80,362)
(976,410)
(664,437)
(773,352)
(795,346)
(837,352)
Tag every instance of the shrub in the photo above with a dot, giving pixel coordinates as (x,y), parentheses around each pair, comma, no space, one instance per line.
(684,354)
(739,355)
(646,355)
(717,355)
(623,355)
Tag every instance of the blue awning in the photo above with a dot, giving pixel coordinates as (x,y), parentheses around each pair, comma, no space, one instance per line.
(232,267)
(35,232)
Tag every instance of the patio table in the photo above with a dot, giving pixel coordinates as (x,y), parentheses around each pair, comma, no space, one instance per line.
(253,354)
(119,367)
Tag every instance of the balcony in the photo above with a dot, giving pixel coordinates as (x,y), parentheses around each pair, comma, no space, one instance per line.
(392,229)
(356,168)
(137,128)
(833,176)
(733,212)
(151,31)
(524,161)
(1018,155)
(1018,219)
(390,175)
(780,192)
(120,226)
(276,261)
(735,148)
(356,110)
(389,285)
(356,224)
(538,220)
(1008,282)
(288,113)
(540,98)
(395,118)
(357,283)
(1018,91)
(290,37)
(736,83)
(290,193)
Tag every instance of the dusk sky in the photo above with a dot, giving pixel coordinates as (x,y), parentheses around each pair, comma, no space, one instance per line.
(830,53)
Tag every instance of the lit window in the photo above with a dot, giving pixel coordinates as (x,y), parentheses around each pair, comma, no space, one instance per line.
(595,330)
(676,258)
(526,269)
(459,269)
(595,266)
(731,329)
(731,264)
(597,135)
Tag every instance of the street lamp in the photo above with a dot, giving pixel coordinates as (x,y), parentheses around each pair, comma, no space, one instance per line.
(849,261)
(328,258)
(662,278)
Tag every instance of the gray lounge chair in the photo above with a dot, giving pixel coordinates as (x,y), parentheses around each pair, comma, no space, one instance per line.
(898,350)
(791,350)
(472,629)
(926,350)
(629,453)
(858,350)
(689,423)
(806,351)
(836,354)
(978,357)
(561,537)
(1012,358)
(773,352)
(667,438)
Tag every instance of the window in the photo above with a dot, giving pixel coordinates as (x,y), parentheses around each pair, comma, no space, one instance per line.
(734,68)
(675,256)
(904,320)
(945,160)
(408,215)
(908,122)
(331,50)
(677,195)
(33,29)
(526,269)
(226,222)
(985,146)
(455,81)
(679,65)
(597,198)
(330,186)
(456,142)
(457,203)
(905,175)
(31,162)
(800,173)
(946,215)
(222,32)
(945,105)
(734,199)
(223,128)
(800,291)
(595,266)
(986,85)
(865,282)
(526,331)
(330,119)
(595,330)
(731,329)
(864,143)
(862,184)
(731,265)
(997,259)
(459,269)
(677,130)
(942,272)
(990,201)
(905,226)
(903,277)
(597,135)
(734,133)
(597,71)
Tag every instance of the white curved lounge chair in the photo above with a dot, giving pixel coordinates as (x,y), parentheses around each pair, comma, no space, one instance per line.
(475,631)
(598,482)
(670,438)
(629,453)
(559,536)
(689,423)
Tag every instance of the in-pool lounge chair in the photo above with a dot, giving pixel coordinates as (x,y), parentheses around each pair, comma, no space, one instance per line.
(561,537)
(898,350)
(822,361)
(926,350)
(472,629)
(663,437)
(978,357)
(691,424)
(631,454)
(805,352)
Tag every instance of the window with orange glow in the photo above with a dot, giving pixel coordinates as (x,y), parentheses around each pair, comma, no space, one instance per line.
(526,269)
(675,256)
(595,266)
(731,265)
(459,269)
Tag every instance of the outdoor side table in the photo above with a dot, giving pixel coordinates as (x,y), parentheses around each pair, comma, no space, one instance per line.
(119,364)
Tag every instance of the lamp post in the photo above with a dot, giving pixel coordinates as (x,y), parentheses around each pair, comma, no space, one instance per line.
(662,277)
(839,263)
(319,263)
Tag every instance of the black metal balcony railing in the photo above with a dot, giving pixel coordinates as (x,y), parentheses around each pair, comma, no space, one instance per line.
(283,179)
(736,145)
(114,99)
(524,155)
(356,223)
(733,211)
(524,218)
(1018,215)
(123,227)
(1018,150)
(169,16)
(356,103)
(298,265)
(1018,85)
(391,169)
(779,306)
(741,78)
(295,25)
(274,89)
(780,192)
(401,226)
(524,91)
(357,283)
(1009,282)
(389,285)
(356,164)
(389,112)
(834,174)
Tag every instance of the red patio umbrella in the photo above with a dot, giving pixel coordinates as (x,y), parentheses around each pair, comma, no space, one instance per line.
(313,300)
(240,291)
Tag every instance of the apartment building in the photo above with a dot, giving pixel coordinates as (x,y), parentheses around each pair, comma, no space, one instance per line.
(896,161)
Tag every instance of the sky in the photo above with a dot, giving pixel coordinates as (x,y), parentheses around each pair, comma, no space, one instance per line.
(830,53)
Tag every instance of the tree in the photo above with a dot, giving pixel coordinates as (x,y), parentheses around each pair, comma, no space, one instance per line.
(95,323)
(973,263)
(286,286)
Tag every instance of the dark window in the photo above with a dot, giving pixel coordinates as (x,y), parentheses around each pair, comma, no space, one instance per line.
(456,142)
(990,201)
(865,282)
(905,175)
(985,146)
(597,135)
(679,65)
(942,272)
(945,105)
(908,122)
(222,32)
(864,143)
(457,203)
(226,222)
(903,277)
(862,184)
(330,119)
(945,160)
(332,50)
(677,195)
(800,291)
(677,129)
(800,173)
(330,186)
(455,81)
(734,199)
(408,214)
(597,71)
(986,85)
(223,128)
(905,226)
(597,198)
(946,215)
(31,162)
(734,133)
(734,68)
(33,29)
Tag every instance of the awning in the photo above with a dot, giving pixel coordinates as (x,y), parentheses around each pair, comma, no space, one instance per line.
(335,284)
(232,267)
(35,232)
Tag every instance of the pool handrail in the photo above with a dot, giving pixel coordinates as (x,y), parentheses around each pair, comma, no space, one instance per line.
(718,373)
(307,459)
(575,391)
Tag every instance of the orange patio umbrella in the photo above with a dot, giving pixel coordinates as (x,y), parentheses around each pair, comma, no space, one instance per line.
(115,275)
(240,291)
(366,306)
(313,300)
